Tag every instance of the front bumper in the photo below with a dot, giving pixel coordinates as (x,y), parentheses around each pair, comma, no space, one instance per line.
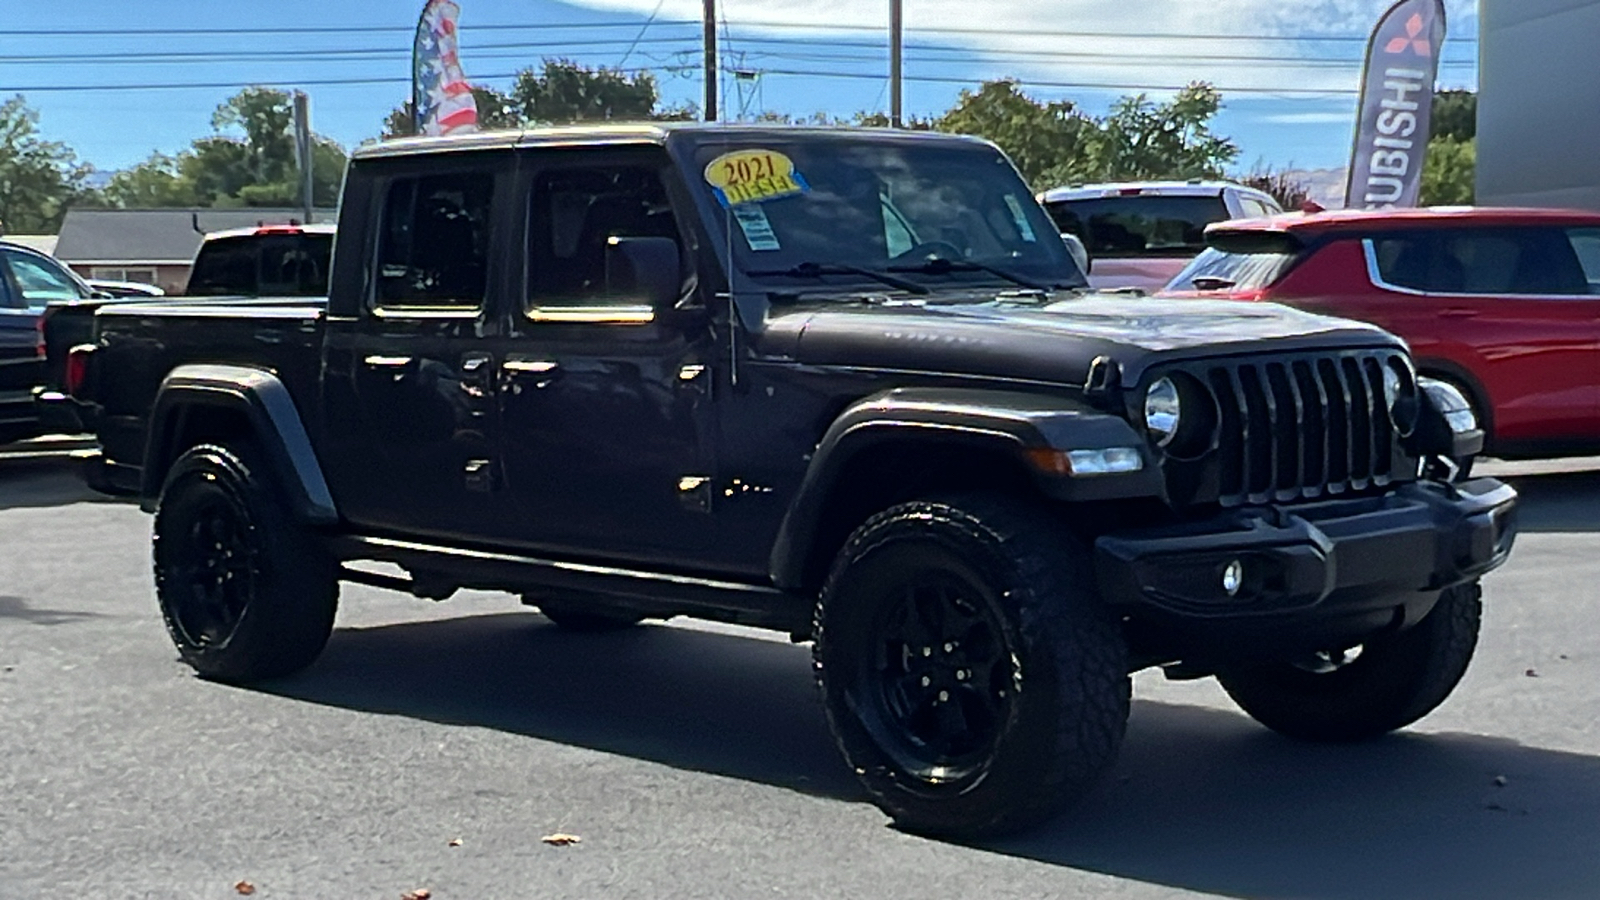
(1317,576)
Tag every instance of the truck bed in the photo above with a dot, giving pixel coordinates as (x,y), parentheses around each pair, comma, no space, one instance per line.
(144,341)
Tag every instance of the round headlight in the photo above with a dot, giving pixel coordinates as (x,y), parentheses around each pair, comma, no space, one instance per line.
(1163,411)
(1400,395)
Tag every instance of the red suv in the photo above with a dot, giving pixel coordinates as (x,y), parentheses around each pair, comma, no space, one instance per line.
(1504,304)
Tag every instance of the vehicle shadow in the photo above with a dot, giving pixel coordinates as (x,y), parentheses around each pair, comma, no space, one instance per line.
(1201,798)
(18,608)
(1566,501)
(36,483)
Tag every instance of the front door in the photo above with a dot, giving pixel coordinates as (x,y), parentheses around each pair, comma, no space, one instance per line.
(409,376)
(606,403)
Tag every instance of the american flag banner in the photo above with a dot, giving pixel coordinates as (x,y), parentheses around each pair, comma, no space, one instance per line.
(439,89)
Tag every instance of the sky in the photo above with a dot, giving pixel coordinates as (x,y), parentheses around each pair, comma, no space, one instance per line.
(119,80)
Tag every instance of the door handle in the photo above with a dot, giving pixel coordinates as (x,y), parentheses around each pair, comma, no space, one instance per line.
(1458,313)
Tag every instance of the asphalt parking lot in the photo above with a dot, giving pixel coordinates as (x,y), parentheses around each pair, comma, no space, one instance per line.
(693,760)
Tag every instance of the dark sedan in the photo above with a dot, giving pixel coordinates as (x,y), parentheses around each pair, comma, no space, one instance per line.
(29,281)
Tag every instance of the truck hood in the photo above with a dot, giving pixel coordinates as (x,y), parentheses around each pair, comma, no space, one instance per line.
(1050,343)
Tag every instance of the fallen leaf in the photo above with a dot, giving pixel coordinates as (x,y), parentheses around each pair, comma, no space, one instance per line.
(1563,656)
(1501,781)
(1531,673)
(245,888)
(455,842)
(418,894)
(561,840)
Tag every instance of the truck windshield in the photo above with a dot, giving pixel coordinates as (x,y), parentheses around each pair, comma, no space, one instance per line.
(805,213)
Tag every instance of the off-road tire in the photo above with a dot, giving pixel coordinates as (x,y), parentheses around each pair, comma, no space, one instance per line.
(246,591)
(577,617)
(1393,683)
(1060,653)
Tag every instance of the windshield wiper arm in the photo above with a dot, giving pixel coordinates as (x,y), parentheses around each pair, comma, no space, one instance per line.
(817,270)
(941,266)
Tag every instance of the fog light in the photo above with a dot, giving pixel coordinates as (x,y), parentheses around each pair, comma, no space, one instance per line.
(1233,578)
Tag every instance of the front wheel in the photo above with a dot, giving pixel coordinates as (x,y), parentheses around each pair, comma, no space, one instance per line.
(1361,693)
(969,672)
(245,590)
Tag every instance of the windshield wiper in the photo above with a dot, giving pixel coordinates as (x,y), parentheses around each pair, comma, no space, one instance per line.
(938,265)
(817,270)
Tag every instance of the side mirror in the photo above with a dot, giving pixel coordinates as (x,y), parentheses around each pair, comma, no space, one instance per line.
(1079,252)
(644,268)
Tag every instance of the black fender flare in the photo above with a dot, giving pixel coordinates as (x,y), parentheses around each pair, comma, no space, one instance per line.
(264,401)
(1008,422)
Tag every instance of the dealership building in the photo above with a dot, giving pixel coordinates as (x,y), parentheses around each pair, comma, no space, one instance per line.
(1539,103)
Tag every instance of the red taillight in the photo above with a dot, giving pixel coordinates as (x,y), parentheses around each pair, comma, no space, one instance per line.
(77,371)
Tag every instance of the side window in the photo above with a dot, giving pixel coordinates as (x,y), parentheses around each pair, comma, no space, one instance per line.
(1254,208)
(39,281)
(1485,261)
(433,247)
(1418,262)
(1586,244)
(574,215)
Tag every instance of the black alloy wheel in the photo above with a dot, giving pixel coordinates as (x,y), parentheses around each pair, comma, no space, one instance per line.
(247,592)
(970,674)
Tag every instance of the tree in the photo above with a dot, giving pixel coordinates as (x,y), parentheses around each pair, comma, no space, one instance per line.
(564,91)
(249,160)
(1143,140)
(1449,177)
(1455,115)
(1050,142)
(156,182)
(39,179)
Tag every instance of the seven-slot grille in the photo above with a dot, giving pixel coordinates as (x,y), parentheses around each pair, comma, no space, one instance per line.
(1302,427)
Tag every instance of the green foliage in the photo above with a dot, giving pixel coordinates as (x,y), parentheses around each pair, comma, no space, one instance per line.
(1051,143)
(249,160)
(1143,140)
(1455,115)
(39,179)
(1449,178)
(564,91)
(1056,143)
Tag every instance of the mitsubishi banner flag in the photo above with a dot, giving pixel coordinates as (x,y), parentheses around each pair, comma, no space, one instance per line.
(441,97)
(1396,106)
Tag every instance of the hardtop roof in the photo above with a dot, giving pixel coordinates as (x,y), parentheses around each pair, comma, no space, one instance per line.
(1363,220)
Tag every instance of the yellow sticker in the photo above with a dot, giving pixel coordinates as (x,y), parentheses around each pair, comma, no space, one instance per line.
(753,176)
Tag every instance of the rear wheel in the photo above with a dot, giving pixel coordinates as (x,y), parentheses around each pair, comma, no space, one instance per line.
(245,590)
(969,672)
(1366,691)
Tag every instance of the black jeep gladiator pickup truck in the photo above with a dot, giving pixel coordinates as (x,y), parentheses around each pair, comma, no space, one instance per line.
(846,384)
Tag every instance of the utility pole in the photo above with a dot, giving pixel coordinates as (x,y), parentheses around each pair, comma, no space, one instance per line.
(896,27)
(303,149)
(711,59)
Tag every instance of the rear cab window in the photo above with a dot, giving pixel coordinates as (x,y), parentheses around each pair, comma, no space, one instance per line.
(1135,225)
(267,264)
(1529,261)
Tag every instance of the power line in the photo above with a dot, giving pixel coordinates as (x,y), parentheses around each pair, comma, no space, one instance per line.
(640,36)
(769,25)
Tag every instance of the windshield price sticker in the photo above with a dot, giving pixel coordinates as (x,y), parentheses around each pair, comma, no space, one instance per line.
(753,176)
(757,228)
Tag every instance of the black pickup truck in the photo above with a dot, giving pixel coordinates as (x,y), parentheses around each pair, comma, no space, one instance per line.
(845,384)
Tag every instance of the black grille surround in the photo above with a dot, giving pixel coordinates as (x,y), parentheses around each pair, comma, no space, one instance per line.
(1291,427)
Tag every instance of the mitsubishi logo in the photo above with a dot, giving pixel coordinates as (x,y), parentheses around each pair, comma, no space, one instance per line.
(1419,45)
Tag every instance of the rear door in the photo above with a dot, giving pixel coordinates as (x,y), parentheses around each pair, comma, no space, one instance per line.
(1513,308)
(408,377)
